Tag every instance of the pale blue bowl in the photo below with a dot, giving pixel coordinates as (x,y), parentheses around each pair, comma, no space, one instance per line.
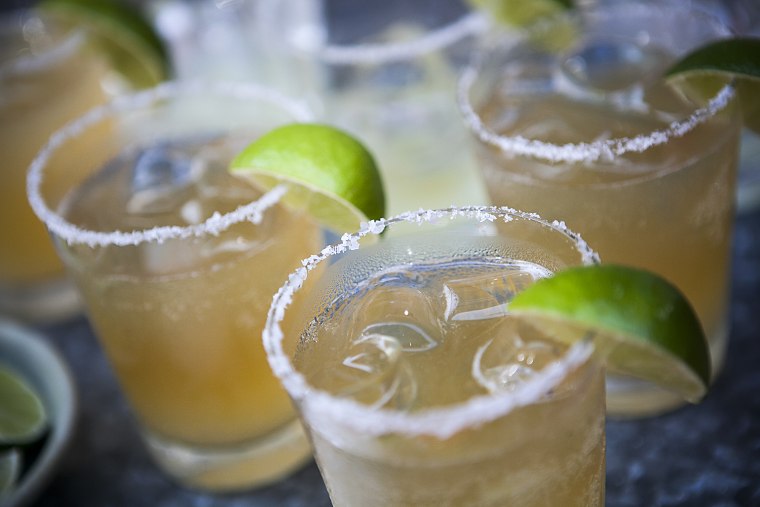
(44,368)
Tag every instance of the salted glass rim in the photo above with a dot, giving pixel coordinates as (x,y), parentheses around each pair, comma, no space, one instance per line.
(216,223)
(469,24)
(67,43)
(441,422)
(588,152)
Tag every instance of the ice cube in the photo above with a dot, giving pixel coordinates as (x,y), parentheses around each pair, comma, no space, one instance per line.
(388,380)
(159,176)
(373,353)
(411,337)
(610,65)
(483,296)
(512,356)
(192,212)
(406,313)
(373,373)
(403,391)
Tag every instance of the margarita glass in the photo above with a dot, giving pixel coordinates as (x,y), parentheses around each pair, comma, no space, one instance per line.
(390,78)
(161,242)
(573,120)
(416,385)
(47,77)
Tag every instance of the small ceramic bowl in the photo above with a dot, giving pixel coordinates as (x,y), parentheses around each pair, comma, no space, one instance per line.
(43,367)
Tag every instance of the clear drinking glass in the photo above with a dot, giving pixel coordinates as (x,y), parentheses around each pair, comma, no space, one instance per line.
(416,385)
(573,120)
(162,243)
(47,77)
(744,17)
(241,40)
(387,73)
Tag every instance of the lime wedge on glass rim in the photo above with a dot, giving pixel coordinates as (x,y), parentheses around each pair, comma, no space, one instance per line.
(122,33)
(330,174)
(702,70)
(555,36)
(23,417)
(641,324)
(521,13)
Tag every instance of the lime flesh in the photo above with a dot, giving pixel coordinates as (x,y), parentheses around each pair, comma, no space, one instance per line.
(735,58)
(22,415)
(331,175)
(641,324)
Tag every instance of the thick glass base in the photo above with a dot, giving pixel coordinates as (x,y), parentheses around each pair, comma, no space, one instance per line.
(631,398)
(261,462)
(40,303)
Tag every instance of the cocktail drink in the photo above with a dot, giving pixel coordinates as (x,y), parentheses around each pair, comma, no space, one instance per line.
(389,77)
(164,244)
(47,77)
(417,386)
(574,120)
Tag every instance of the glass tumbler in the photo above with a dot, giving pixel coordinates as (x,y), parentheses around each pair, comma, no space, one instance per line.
(574,120)
(161,241)
(47,77)
(416,385)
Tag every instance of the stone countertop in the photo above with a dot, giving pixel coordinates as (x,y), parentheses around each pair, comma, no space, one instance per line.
(703,455)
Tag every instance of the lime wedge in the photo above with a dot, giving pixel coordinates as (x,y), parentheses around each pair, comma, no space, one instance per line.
(330,174)
(22,415)
(736,58)
(521,13)
(122,33)
(10,469)
(641,323)
(555,35)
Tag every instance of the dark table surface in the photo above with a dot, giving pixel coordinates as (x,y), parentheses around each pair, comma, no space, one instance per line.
(703,455)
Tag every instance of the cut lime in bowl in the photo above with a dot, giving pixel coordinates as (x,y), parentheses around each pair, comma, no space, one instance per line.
(330,175)
(642,325)
(41,368)
(23,417)
(122,33)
